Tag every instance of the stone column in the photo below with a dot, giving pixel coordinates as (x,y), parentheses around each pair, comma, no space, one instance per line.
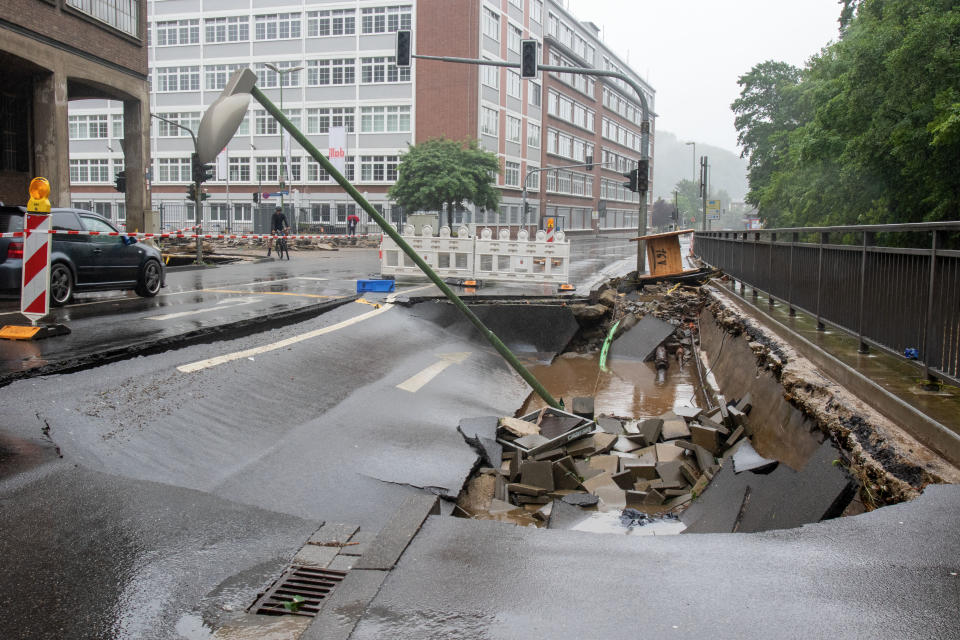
(136,157)
(51,134)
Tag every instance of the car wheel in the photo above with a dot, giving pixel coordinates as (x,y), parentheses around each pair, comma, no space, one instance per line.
(149,282)
(61,284)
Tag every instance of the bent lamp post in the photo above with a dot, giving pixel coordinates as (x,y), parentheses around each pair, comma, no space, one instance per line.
(220,122)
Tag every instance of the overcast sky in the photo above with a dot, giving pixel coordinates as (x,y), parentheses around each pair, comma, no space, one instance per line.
(693,51)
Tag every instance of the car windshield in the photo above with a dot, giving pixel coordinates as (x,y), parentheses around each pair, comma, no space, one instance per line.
(96,224)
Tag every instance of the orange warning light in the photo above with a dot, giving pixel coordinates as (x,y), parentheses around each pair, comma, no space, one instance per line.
(39,190)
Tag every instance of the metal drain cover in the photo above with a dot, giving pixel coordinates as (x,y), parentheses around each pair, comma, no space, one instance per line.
(298,592)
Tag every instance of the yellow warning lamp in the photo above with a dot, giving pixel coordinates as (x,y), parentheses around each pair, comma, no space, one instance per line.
(39,190)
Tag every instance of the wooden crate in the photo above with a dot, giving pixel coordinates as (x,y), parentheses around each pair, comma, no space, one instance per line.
(663,253)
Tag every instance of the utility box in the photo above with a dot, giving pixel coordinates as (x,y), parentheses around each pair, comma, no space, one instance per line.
(420,219)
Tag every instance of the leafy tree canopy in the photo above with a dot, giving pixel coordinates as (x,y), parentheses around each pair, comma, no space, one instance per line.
(869,130)
(442,173)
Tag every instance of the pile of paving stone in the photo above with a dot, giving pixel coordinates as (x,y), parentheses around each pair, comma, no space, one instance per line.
(654,465)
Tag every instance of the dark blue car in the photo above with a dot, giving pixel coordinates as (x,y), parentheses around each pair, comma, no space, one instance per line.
(82,262)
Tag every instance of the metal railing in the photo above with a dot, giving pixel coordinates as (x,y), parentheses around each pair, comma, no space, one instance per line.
(899,299)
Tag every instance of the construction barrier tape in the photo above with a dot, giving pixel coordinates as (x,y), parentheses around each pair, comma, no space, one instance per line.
(178,234)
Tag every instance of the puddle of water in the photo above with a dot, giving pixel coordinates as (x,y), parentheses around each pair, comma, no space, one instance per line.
(628,390)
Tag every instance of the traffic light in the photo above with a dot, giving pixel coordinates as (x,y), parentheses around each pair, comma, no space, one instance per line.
(643,175)
(120,181)
(200,172)
(256,196)
(589,163)
(633,176)
(528,59)
(403,48)
(191,193)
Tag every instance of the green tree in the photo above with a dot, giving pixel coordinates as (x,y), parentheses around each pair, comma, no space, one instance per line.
(443,174)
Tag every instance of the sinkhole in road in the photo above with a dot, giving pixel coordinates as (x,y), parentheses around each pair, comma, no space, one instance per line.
(700,437)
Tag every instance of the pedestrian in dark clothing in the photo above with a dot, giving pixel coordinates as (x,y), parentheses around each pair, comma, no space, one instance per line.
(352,221)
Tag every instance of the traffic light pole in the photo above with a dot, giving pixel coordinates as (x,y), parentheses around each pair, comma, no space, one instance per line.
(644,121)
(197,201)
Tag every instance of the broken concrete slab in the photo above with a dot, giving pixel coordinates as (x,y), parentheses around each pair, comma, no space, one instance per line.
(671,471)
(706,437)
(737,433)
(612,496)
(640,470)
(611,464)
(581,448)
(610,425)
(565,516)
(525,489)
(747,459)
(650,430)
(641,341)
(581,499)
(599,480)
(688,413)
(625,444)
(603,442)
(624,479)
(674,427)
(746,403)
(396,534)
(538,474)
(565,474)
(667,452)
(531,441)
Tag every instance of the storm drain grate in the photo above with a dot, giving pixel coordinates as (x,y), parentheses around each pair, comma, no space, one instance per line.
(300,591)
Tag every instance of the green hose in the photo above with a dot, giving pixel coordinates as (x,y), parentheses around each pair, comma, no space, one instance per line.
(606,346)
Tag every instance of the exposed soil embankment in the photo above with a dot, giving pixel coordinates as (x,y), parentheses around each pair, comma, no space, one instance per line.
(891,465)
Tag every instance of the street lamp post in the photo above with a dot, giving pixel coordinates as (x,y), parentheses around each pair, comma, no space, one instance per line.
(693,162)
(198,202)
(281,73)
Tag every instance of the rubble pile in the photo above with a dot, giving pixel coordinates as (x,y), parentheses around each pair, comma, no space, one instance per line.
(653,465)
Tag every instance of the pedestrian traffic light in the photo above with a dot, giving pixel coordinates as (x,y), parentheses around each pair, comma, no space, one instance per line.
(256,196)
(632,175)
(643,175)
(403,48)
(120,181)
(528,59)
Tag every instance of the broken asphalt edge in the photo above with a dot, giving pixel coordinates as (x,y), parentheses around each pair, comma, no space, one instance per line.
(341,612)
(858,426)
(203,335)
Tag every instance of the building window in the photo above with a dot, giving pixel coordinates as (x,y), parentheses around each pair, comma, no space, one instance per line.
(232,29)
(119,14)
(321,119)
(268,169)
(240,169)
(277,26)
(511,174)
(90,171)
(87,127)
(316,173)
(269,79)
(330,72)
(513,84)
(216,75)
(177,32)
(488,121)
(533,135)
(534,96)
(266,124)
(243,212)
(514,35)
(490,76)
(385,19)
(384,119)
(336,22)
(173,170)
(178,79)
(536,11)
(381,70)
(116,126)
(378,168)
(190,120)
(491,24)
(513,129)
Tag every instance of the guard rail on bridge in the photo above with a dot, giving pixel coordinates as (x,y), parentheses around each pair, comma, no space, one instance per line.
(904,300)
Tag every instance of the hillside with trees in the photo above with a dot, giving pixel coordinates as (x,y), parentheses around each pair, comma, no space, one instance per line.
(869,130)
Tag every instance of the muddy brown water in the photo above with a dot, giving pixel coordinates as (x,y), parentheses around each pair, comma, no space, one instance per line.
(630,389)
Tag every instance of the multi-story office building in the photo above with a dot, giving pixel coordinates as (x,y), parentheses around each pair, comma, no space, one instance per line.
(331,65)
(55,51)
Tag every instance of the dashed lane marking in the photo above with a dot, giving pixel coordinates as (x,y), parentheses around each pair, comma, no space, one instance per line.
(247,353)
(415,382)
(220,306)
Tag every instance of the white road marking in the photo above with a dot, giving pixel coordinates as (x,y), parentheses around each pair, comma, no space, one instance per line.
(222,304)
(237,355)
(415,382)
(393,296)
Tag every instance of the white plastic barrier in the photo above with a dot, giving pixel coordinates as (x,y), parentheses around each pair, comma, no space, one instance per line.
(483,258)
(449,257)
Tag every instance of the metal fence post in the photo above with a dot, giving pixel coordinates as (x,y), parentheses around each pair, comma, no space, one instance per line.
(773,240)
(756,241)
(742,244)
(794,238)
(931,292)
(823,239)
(868,240)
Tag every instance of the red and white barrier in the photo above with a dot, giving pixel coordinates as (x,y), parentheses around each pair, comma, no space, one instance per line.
(35,275)
(177,234)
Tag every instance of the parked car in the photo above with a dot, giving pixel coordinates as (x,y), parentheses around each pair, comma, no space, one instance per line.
(82,262)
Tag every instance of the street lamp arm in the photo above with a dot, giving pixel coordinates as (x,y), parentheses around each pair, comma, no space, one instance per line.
(177,124)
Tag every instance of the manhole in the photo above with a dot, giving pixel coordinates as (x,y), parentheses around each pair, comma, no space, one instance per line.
(298,592)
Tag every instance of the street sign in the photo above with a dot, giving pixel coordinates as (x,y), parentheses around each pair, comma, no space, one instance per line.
(713,209)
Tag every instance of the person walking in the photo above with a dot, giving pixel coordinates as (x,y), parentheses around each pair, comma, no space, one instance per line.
(352,221)
(278,227)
